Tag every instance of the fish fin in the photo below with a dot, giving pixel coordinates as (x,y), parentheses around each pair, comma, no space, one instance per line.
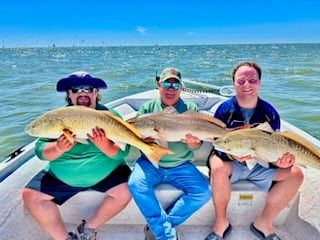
(264,127)
(169,110)
(262,162)
(261,159)
(132,128)
(136,119)
(246,126)
(132,120)
(121,145)
(155,152)
(82,140)
(161,138)
(206,117)
(67,133)
(251,163)
(300,140)
(302,165)
(162,142)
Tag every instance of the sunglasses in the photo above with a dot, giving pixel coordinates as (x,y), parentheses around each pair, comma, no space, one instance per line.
(82,88)
(250,81)
(174,85)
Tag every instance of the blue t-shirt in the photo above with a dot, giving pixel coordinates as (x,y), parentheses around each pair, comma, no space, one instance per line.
(231,114)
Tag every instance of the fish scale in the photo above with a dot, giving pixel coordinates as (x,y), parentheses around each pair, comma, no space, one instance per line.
(171,126)
(81,120)
(268,146)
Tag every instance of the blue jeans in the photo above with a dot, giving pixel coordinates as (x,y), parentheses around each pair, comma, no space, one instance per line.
(186,177)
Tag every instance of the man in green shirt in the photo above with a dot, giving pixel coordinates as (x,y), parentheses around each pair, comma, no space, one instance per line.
(75,167)
(176,169)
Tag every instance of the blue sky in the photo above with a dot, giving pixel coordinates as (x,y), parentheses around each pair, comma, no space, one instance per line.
(163,22)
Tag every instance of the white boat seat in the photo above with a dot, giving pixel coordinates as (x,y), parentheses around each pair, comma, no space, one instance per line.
(126,111)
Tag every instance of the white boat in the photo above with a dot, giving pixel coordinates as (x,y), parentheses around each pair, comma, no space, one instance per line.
(299,220)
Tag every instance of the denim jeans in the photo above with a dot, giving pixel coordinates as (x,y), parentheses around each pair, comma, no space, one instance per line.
(186,177)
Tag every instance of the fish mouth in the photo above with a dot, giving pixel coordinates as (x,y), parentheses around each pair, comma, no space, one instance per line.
(221,149)
(227,151)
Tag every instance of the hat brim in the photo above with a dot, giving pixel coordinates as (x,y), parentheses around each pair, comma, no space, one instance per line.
(171,76)
(66,83)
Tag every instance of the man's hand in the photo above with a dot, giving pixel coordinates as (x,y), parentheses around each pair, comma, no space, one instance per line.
(191,141)
(98,137)
(63,144)
(287,160)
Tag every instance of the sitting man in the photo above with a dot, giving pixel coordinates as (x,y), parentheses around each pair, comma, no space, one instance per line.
(281,180)
(76,167)
(176,169)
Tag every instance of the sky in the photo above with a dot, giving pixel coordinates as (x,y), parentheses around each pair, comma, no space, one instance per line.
(33,23)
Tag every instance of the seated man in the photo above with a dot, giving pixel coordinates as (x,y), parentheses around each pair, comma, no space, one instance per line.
(247,108)
(176,169)
(75,167)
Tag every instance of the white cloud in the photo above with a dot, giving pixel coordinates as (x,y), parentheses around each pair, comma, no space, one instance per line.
(190,34)
(141,30)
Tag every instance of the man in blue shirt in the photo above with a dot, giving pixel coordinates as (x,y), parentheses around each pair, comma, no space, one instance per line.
(281,180)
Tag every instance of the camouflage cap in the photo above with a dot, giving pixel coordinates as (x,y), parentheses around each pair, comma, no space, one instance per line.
(168,73)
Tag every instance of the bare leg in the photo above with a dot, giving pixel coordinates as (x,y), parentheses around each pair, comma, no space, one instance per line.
(221,192)
(288,181)
(40,206)
(116,199)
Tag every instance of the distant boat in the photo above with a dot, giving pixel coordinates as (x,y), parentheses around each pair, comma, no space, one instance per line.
(299,220)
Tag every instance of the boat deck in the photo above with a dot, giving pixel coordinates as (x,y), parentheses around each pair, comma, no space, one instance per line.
(290,224)
(299,220)
(190,232)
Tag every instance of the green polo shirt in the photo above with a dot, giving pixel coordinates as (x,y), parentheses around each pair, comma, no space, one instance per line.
(182,152)
(83,165)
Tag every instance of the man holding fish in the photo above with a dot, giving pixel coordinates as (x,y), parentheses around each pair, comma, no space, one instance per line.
(281,179)
(73,167)
(176,169)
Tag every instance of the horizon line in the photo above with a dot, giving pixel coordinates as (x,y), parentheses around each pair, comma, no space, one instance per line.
(154,45)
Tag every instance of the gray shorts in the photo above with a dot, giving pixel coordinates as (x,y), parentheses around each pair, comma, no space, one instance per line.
(260,176)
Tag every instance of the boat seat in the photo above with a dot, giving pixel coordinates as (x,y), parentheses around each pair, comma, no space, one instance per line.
(246,201)
(126,111)
(214,108)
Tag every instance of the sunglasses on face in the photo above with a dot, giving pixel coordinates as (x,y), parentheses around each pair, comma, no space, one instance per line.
(250,81)
(174,85)
(83,88)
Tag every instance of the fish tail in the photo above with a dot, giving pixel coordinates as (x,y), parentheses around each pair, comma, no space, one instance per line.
(154,152)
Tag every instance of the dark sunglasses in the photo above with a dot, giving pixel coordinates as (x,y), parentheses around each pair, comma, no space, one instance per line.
(167,85)
(83,88)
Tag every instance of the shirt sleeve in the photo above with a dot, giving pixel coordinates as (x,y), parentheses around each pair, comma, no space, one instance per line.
(40,144)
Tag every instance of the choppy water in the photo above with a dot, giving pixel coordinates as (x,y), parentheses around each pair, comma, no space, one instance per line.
(28,76)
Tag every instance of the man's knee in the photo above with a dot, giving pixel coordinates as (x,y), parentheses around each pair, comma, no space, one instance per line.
(28,195)
(297,174)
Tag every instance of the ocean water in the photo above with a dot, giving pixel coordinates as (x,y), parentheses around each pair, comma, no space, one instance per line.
(290,78)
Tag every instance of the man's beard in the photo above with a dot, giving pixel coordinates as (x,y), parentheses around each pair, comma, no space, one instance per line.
(84,101)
